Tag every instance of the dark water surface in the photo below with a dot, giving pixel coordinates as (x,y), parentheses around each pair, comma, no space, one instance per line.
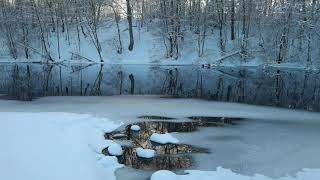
(290,88)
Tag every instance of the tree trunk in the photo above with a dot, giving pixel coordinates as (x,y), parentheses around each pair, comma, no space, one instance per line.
(116,17)
(129,17)
(232,20)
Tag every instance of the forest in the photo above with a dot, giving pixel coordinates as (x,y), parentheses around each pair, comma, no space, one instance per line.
(275,31)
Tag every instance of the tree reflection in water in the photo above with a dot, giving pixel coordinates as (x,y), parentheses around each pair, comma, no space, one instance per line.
(168,156)
(282,87)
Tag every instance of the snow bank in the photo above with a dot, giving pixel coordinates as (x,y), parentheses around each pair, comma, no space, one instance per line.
(163,138)
(145,153)
(51,146)
(135,128)
(225,174)
(115,150)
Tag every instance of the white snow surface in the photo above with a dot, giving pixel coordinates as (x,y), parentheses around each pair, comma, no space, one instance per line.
(115,150)
(225,174)
(163,138)
(113,107)
(135,128)
(145,153)
(51,146)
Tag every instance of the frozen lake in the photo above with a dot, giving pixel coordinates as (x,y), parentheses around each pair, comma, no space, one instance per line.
(270,142)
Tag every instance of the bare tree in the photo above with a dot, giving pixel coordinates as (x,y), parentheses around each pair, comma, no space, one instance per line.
(129,18)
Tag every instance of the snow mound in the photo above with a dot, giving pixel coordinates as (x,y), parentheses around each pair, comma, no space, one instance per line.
(115,150)
(110,161)
(145,153)
(135,128)
(164,175)
(163,138)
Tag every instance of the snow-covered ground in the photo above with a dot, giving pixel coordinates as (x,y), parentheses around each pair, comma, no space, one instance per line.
(148,49)
(62,137)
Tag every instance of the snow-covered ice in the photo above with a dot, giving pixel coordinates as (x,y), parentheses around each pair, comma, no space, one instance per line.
(115,150)
(135,128)
(163,138)
(225,174)
(113,107)
(145,153)
(51,146)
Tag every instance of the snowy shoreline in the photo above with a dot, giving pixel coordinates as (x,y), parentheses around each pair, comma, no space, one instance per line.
(313,67)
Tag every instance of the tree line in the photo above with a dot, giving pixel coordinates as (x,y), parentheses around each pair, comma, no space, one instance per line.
(276,30)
